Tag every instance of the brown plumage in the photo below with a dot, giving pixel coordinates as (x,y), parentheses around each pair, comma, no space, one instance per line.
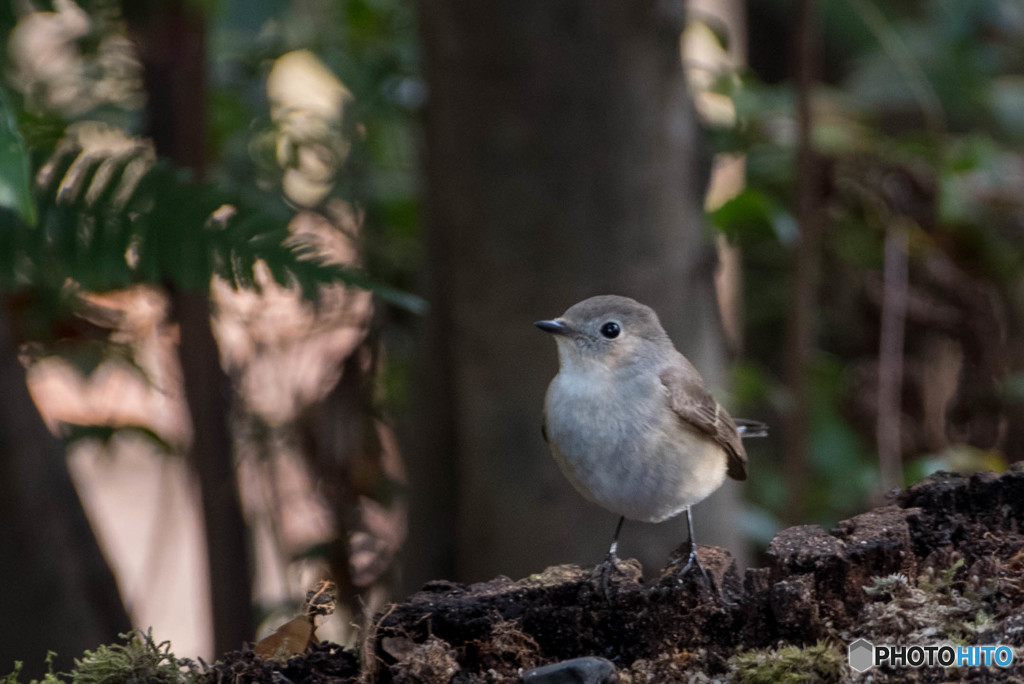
(695,406)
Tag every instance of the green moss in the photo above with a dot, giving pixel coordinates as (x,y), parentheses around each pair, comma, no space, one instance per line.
(13,677)
(139,659)
(49,678)
(934,610)
(945,580)
(821,662)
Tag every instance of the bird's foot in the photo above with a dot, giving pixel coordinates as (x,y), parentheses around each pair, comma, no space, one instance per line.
(607,567)
(685,571)
(692,562)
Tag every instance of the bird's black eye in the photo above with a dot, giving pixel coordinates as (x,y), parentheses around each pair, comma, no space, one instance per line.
(611,330)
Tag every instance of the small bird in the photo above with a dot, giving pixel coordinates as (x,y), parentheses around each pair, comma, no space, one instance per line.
(629,421)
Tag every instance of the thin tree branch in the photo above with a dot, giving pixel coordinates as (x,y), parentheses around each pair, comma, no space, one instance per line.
(890,355)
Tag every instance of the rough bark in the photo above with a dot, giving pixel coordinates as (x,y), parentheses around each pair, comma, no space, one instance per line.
(563,161)
(56,590)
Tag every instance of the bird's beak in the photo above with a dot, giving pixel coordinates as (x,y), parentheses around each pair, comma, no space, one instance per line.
(555,327)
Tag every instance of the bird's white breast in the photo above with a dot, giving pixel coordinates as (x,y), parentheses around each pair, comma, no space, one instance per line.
(617,440)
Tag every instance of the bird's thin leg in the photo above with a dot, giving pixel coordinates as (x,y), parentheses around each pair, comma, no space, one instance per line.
(612,558)
(692,559)
(613,549)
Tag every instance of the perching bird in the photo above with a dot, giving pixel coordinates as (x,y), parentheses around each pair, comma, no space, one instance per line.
(629,421)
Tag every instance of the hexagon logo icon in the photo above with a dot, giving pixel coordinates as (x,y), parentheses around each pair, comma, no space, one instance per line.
(862,655)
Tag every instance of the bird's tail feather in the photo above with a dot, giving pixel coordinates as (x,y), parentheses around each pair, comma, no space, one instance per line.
(751,428)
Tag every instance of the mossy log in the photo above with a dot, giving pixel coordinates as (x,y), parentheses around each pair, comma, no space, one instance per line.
(942,563)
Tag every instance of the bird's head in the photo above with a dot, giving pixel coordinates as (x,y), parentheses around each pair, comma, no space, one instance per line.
(607,331)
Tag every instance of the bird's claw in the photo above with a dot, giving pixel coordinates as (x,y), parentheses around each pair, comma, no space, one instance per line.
(610,564)
(691,562)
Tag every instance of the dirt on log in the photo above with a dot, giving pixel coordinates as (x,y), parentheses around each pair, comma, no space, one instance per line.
(943,564)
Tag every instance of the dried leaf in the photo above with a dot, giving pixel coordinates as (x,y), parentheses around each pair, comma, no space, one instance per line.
(297,635)
(291,638)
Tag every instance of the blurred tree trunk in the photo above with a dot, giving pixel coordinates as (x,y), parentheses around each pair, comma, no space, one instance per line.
(563,161)
(800,331)
(208,392)
(56,590)
(171,39)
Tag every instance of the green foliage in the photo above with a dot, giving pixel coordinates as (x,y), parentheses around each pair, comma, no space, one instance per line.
(112,218)
(104,213)
(77,217)
(823,662)
(371,46)
(918,119)
(108,221)
(139,659)
(755,214)
(14,677)
(15,191)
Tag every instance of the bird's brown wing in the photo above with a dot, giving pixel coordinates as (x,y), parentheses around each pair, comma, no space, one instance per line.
(692,403)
